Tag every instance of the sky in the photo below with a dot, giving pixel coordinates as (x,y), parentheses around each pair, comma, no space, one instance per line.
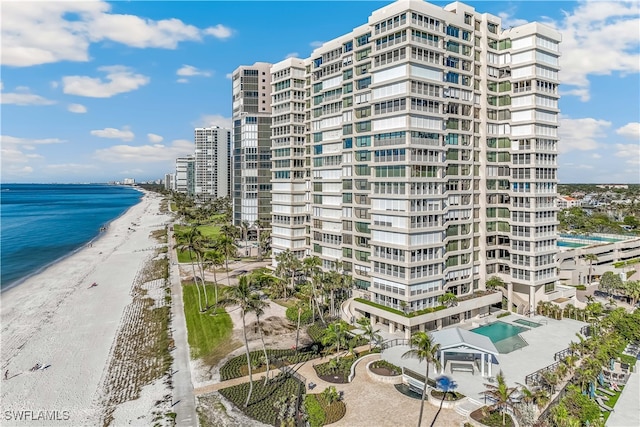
(96,91)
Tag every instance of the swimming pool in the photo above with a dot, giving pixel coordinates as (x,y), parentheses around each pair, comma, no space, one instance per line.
(504,336)
(564,244)
(526,322)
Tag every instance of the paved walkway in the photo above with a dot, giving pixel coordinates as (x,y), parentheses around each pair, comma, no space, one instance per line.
(184,404)
(368,402)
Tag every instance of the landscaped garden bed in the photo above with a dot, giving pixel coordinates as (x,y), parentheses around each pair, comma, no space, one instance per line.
(450,396)
(336,370)
(384,368)
(324,408)
(491,418)
(237,367)
(266,401)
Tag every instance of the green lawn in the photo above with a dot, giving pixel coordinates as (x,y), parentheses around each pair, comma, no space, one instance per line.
(208,231)
(205,331)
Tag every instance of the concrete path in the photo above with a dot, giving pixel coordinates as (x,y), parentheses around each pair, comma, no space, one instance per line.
(184,404)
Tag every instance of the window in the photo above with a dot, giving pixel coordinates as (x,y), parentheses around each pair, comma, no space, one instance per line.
(363,39)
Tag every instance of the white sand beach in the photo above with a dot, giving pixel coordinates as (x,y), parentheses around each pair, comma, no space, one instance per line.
(55,318)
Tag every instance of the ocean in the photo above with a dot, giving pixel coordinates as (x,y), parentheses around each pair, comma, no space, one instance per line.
(42,223)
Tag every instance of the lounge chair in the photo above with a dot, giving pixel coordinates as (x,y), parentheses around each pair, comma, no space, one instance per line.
(602,405)
(605,391)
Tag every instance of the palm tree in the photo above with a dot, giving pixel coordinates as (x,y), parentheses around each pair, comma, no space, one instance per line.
(244,226)
(188,241)
(424,349)
(227,247)
(502,396)
(288,266)
(246,299)
(216,258)
(311,268)
(447,385)
(259,226)
(258,307)
(368,331)
(591,258)
(300,308)
(335,335)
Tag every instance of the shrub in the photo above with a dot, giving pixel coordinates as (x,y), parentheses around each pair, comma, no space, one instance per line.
(305,316)
(581,287)
(505,314)
(340,367)
(449,396)
(237,367)
(384,364)
(315,412)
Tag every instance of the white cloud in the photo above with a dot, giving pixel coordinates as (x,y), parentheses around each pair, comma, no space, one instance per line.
(36,33)
(6,139)
(207,120)
(292,55)
(189,70)
(69,167)
(598,38)
(229,75)
(596,156)
(149,153)
(629,152)
(119,79)
(508,20)
(152,137)
(630,130)
(22,96)
(219,31)
(580,134)
(77,108)
(182,81)
(124,134)
(16,154)
(316,44)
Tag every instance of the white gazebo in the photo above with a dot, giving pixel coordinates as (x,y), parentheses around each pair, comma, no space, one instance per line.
(468,344)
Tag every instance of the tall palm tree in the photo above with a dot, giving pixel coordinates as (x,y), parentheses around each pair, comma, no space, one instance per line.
(227,246)
(591,258)
(299,305)
(312,271)
(259,226)
(502,396)
(368,330)
(246,299)
(288,266)
(216,258)
(189,241)
(258,307)
(424,349)
(244,226)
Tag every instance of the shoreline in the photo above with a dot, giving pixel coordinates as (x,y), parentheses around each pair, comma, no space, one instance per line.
(93,239)
(55,318)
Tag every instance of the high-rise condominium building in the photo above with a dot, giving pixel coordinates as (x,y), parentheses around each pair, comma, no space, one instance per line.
(426,162)
(251,144)
(185,175)
(212,163)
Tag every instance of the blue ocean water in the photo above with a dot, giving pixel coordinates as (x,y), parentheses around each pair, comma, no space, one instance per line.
(42,223)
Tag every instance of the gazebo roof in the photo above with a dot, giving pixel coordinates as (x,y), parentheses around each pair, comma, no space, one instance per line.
(455,337)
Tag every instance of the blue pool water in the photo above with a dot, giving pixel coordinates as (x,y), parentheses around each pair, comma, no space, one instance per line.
(570,244)
(504,336)
(588,237)
(42,223)
(528,323)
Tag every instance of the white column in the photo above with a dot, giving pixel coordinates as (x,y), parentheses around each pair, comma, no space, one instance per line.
(392,327)
(509,296)
(407,333)
(441,362)
(490,362)
(482,364)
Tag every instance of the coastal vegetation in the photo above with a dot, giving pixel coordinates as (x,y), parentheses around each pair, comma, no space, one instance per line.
(142,351)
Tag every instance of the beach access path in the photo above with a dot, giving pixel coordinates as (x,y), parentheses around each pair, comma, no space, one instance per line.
(57,318)
(184,404)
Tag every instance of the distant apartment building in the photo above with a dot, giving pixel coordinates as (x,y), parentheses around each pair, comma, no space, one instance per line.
(212,163)
(251,195)
(185,175)
(169,181)
(426,162)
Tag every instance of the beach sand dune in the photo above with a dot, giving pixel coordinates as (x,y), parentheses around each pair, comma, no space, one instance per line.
(56,318)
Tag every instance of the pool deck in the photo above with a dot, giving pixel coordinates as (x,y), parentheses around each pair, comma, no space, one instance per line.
(543,343)
(627,410)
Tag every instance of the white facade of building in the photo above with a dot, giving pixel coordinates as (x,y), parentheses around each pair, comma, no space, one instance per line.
(211,163)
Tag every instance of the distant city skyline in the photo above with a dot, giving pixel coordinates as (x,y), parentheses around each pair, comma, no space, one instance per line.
(97,91)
